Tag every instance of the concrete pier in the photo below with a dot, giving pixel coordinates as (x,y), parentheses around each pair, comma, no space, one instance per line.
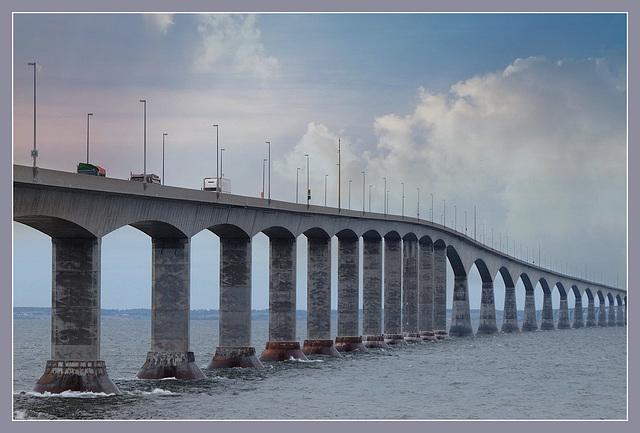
(425,289)
(547,322)
(410,289)
(372,336)
(348,338)
(529,322)
(75,320)
(169,355)
(488,324)
(440,288)
(602,314)
(319,340)
(620,315)
(282,344)
(234,329)
(591,313)
(563,313)
(392,290)
(460,312)
(578,316)
(510,312)
(611,309)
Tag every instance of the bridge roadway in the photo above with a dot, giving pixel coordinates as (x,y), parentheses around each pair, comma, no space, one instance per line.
(76,211)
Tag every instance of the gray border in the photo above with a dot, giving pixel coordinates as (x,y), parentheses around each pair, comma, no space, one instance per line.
(327,5)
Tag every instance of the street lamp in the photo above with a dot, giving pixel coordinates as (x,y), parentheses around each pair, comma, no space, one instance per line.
(217,172)
(263,163)
(269,194)
(325,189)
(88,115)
(308,189)
(384,198)
(34,152)
(164,134)
(370,197)
(363,190)
(339,175)
(297,173)
(144,175)
(455,218)
(418,205)
(431,208)
(221,166)
(402,199)
(349,194)
(444,212)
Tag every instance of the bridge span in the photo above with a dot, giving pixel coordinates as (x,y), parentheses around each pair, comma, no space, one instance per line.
(404,264)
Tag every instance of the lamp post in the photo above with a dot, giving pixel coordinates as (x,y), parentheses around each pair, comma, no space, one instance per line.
(221,166)
(402,199)
(264,160)
(144,173)
(269,193)
(34,152)
(308,189)
(384,198)
(418,205)
(217,166)
(297,175)
(363,191)
(444,212)
(339,176)
(370,197)
(325,189)
(455,218)
(431,207)
(163,135)
(88,115)
(349,194)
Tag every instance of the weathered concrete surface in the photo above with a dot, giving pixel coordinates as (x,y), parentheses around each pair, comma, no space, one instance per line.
(440,288)
(75,320)
(620,315)
(547,322)
(578,317)
(392,281)
(488,324)
(170,291)
(234,329)
(529,322)
(348,338)
(282,301)
(591,314)
(83,376)
(425,288)
(410,288)
(510,312)
(563,314)
(612,315)
(460,312)
(319,340)
(372,292)
(602,315)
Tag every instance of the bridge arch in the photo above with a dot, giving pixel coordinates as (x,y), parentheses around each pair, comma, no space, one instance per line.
(563,310)
(55,227)
(510,310)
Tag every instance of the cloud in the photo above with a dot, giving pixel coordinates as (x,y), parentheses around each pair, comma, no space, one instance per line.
(232,44)
(160,22)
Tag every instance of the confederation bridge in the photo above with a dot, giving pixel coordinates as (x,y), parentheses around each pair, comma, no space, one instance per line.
(404,263)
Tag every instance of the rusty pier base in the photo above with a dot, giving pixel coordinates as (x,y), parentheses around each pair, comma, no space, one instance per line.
(230,357)
(412,337)
(442,334)
(320,347)
(349,344)
(374,342)
(82,376)
(395,340)
(162,365)
(428,336)
(282,351)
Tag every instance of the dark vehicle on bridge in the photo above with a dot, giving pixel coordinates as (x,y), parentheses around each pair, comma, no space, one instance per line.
(90,169)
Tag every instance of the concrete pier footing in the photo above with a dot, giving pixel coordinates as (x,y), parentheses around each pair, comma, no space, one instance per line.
(510,313)
(428,336)
(230,357)
(395,340)
(441,334)
(83,376)
(602,315)
(350,344)
(460,313)
(612,315)
(547,323)
(412,337)
(282,351)
(374,342)
(620,315)
(563,314)
(488,324)
(591,314)
(320,347)
(578,318)
(529,322)
(160,365)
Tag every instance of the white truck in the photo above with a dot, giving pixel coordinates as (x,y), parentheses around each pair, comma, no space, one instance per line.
(211,184)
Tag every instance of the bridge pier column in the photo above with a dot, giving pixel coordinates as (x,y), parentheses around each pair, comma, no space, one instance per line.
(620,315)
(460,312)
(392,291)
(578,317)
(372,336)
(591,314)
(487,323)
(547,312)
(440,290)
(510,313)
(282,344)
(75,320)
(529,322)
(602,314)
(170,355)
(234,329)
(410,291)
(612,314)
(319,340)
(425,290)
(348,338)
(563,313)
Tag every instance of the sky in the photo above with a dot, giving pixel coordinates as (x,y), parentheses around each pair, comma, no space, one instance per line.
(522,117)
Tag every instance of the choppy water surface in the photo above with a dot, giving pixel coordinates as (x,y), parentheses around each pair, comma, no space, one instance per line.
(564,374)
